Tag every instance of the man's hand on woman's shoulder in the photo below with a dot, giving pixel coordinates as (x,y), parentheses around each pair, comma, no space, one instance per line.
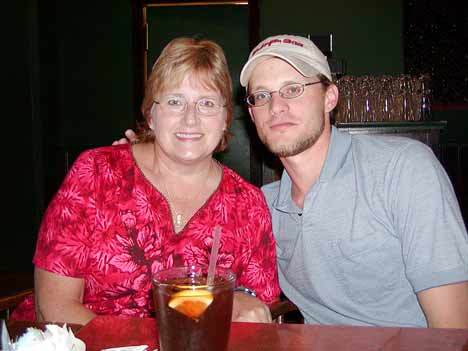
(130,136)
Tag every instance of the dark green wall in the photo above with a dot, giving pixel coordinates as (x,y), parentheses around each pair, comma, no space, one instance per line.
(68,79)
(367,33)
(94,72)
(19,137)
(86,79)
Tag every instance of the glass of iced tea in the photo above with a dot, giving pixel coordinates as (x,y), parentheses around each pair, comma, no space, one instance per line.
(192,315)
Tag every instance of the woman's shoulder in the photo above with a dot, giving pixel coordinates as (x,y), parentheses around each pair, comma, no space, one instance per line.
(106,151)
(235,183)
(107,154)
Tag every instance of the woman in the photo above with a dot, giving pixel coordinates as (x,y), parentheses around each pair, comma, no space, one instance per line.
(127,211)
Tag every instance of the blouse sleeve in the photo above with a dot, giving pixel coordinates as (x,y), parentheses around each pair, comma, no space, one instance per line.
(64,236)
(261,273)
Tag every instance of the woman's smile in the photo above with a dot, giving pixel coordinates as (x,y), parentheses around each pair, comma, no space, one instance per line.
(189,136)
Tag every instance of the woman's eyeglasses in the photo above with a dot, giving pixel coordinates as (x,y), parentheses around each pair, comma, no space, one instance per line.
(177,104)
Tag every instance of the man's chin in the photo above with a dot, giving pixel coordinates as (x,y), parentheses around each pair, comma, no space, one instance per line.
(286,151)
(289,150)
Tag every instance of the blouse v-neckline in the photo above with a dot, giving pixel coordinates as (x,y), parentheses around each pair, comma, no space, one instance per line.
(161,195)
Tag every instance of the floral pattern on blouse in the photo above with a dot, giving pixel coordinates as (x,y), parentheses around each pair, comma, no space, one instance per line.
(109,226)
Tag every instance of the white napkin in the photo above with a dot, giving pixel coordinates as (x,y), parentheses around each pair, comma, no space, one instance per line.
(54,338)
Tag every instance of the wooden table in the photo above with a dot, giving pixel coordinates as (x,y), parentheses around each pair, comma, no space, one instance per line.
(107,331)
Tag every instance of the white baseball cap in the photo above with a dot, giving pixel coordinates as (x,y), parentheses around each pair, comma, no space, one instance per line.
(299,52)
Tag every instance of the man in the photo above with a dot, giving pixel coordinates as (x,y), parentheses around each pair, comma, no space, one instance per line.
(368,228)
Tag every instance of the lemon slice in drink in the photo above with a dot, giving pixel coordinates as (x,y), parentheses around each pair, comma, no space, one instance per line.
(191,303)
(192,288)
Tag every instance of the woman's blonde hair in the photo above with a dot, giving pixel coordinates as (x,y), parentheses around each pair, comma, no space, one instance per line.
(202,59)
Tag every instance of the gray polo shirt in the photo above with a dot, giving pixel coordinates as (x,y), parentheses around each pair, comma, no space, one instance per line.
(381,223)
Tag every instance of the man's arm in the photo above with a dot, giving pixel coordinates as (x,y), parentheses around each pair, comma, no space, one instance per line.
(445,306)
(433,236)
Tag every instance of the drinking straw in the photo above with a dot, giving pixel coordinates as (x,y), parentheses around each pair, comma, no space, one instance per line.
(213,255)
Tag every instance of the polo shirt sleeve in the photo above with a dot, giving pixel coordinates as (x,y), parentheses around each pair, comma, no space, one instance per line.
(427,219)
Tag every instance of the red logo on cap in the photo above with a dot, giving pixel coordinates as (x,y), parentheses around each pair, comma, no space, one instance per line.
(277,41)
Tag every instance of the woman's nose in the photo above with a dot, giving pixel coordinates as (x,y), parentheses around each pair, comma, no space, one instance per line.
(190,114)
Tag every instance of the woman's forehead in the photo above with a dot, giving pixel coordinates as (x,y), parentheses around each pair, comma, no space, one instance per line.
(193,81)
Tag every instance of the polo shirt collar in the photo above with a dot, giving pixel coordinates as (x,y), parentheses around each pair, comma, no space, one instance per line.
(340,145)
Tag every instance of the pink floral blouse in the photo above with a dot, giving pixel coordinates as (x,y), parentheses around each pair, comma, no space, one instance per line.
(109,226)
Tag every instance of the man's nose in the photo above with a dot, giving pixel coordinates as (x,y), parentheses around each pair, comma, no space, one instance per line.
(278,105)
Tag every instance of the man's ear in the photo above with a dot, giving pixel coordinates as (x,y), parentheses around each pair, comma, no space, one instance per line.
(251,114)
(331,97)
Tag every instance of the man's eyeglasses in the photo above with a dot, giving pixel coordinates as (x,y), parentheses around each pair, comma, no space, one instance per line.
(177,104)
(289,91)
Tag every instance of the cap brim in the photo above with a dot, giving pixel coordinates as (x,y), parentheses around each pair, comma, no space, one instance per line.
(300,65)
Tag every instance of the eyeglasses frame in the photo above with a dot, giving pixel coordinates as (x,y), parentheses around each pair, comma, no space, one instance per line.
(270,93)
(196,107)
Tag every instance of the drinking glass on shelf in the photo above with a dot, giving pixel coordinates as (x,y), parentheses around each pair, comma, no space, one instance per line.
(425,97)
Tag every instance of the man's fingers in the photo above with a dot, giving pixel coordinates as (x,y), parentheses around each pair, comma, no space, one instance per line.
(120,141)
(131,135)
